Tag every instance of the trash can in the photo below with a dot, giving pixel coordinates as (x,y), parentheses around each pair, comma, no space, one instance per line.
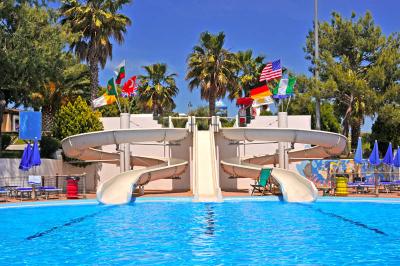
(341,186)
(72,187)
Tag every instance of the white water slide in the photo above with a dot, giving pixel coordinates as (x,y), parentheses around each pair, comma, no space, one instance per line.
(206,177)
(294,187)
(118,189)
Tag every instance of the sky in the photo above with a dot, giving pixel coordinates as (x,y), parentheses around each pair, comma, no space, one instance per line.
(165,31)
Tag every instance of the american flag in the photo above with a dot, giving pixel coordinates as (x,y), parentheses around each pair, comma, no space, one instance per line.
(271,71)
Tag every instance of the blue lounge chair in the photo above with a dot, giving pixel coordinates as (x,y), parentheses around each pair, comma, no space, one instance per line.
(262,183)
(23,191)
(4,194)
(47,190)
(361,187)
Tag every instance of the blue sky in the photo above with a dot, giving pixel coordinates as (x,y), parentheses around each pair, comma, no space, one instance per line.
(166,30)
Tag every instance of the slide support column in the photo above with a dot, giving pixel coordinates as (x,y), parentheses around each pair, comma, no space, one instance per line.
(282,123)
(125,157)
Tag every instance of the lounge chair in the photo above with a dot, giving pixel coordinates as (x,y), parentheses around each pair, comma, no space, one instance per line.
(262,183)
(23,191)
(3,194)
(47,190)
(361,187)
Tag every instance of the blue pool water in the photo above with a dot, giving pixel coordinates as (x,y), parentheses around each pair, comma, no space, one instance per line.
(185,233)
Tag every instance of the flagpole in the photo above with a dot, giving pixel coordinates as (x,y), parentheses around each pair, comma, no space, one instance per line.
(118,103)
(287,107)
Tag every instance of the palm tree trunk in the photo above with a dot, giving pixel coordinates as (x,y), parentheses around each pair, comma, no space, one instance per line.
(47,119)
(3,104)
(94,75)
(355,131)
(318,114)
(211,102)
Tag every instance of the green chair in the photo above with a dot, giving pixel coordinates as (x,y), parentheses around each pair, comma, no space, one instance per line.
(262,183)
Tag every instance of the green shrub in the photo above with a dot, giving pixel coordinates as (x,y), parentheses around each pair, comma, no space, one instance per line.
(48,146)
(227,122)
(11,154)
(5,141)
(76,118)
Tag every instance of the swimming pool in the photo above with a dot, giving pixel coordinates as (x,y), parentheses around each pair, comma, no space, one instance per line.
(184,233)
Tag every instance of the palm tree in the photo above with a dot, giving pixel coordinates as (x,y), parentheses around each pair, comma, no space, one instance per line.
(73,82)
(212,68)
(94,22)
(248,72)
(158,88)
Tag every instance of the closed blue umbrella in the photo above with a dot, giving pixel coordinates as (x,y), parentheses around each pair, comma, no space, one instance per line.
(25,160)
(374,157)
(35,156)
(396,161)
(388,159)
(358,156)
(374,160)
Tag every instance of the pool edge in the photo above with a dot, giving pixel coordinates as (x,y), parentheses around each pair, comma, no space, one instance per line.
(190,199)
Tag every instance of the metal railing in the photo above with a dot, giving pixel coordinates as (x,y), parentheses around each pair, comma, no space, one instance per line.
(56,181)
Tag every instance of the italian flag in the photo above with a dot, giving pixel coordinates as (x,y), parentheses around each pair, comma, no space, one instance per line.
(284,89)
(111,87)
(120,72)
(105,99)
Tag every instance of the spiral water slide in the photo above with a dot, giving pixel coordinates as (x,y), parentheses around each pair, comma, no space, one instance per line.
(294,187)
(118,189)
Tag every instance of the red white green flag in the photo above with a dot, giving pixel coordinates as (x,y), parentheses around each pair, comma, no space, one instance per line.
(120,72)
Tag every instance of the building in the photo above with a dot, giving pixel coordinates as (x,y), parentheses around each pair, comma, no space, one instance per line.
(10,120)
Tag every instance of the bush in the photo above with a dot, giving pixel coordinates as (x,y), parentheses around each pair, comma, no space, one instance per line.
(48,146)
(5,141)
(227,122)
(11,154)
(76,118)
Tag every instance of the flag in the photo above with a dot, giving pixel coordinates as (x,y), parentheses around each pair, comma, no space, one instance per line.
(105,99)
(120,72)
(260,92)
(263,101)
(129,87)
(111,88)
(284,89)
(272,70)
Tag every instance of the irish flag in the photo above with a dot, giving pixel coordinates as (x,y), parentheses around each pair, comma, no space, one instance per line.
(111,87)
(284,89)
(105,99)
(120,72)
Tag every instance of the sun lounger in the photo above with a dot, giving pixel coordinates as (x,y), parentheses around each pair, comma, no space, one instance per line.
(47,190)
(361,187)
(23,191)
(261,185)
(3,194)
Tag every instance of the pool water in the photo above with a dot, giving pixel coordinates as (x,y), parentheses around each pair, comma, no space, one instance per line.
(185,233)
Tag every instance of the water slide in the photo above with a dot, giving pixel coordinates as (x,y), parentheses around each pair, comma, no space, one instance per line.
(294,187)
(118,189)
(206,177)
